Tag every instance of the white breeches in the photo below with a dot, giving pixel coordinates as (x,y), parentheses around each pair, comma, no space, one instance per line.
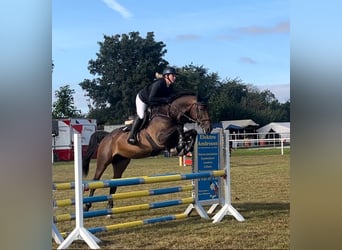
(141,106)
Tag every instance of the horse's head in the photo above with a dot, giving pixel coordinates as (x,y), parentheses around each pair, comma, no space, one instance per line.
(199,113)
(192,110)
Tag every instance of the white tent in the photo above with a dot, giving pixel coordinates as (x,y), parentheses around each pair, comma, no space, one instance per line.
(281,128)
(238,124)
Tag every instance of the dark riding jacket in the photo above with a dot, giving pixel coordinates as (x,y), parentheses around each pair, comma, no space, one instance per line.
(156,93)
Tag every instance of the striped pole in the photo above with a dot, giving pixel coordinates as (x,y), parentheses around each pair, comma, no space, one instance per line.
(126,195)
(134,223)
(138,223)
(139,180)
(117,210)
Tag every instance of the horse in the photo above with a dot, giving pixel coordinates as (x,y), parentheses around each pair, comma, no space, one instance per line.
(164,131)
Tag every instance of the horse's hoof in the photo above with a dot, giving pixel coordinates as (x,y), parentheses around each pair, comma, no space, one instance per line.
(109,216)
(86,208)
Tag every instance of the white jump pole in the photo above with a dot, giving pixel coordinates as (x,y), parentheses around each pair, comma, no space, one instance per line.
(79,233)
(227,207)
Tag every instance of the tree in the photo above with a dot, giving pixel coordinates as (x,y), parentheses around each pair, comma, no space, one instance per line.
(124,65)
(197,79)
(234,100)
(228,101)
(64,106)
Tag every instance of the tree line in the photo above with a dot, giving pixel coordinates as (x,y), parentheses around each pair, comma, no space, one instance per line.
(126,63)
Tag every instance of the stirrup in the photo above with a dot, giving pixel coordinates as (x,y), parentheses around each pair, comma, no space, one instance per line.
(132,141)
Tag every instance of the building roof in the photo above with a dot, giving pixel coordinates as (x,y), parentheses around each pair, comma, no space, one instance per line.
(238,124)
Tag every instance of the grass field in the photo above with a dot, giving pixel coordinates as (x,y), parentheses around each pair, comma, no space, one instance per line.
(260,189)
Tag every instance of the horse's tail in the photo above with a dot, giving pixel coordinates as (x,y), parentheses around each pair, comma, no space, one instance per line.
(94,142)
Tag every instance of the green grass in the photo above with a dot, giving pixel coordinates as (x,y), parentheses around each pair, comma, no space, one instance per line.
(259,191)
(260,151)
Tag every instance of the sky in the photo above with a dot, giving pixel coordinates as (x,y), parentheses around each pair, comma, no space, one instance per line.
(243,39)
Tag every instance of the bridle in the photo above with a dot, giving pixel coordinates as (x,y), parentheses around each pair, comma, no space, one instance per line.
(198,117)
(175,113)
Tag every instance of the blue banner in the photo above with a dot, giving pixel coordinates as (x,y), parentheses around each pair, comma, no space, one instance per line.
(208,159)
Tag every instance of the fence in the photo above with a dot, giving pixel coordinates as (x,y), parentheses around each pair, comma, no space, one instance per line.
(212,160)
(252,140)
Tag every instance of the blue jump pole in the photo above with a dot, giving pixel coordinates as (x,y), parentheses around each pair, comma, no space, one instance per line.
(134,194)
(139,180)
(117,210)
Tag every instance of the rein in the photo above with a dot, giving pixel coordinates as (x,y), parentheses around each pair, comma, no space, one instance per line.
(195,120)
(173,112)
(158,113)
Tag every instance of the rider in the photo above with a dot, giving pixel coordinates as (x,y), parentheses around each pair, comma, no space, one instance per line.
(157,93)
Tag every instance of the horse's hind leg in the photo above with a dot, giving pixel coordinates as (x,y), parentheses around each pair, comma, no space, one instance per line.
(101,166)
(119,165)
(87,206)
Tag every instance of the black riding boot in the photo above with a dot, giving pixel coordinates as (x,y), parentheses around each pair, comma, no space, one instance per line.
(132,138)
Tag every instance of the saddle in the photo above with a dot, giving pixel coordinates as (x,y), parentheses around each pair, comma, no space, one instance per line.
(147,118)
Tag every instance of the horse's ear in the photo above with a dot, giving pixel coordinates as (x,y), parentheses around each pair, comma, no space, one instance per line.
(202,101)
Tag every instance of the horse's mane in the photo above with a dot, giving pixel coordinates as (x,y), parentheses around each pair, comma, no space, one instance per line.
(177,95)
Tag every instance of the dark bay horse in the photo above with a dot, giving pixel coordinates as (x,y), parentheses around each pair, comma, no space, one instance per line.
(161,132)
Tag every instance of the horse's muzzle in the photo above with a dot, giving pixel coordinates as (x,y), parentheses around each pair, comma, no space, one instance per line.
(207,128)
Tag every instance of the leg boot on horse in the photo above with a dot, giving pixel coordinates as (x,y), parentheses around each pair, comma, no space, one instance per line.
(132,138)
(190,139)
(181,142)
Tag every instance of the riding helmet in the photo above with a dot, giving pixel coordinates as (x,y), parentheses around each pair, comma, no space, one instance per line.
(169,70)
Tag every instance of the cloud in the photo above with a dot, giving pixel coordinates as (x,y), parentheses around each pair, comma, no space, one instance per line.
(227,37)
(119,8)
(247,60)
(282,27)
(188,37)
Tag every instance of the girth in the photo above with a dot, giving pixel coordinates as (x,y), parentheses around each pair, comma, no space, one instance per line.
(155,148)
